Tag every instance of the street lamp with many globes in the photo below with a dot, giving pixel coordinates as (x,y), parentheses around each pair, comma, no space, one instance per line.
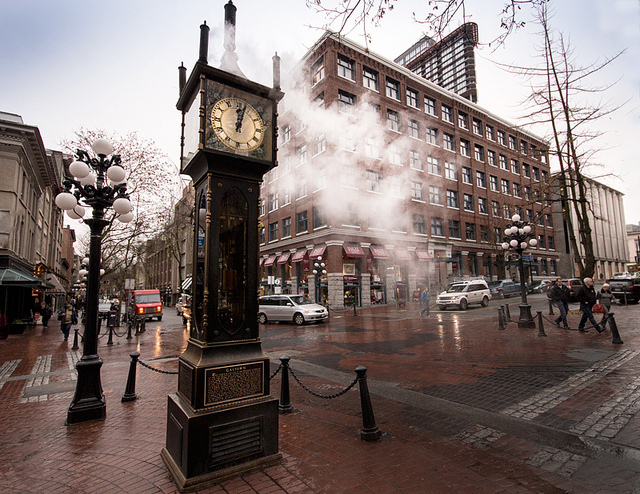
(98,183)
(318,271)
(518,237)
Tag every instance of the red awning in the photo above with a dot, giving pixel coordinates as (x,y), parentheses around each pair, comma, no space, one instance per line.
(353,251)
(299,255)
(284,257)
(261,261)
(423,255)
(403,255)
(379,252)
(270,260)
(317,251)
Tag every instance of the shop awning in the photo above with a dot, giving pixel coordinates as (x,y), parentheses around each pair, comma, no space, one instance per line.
(186,284)
(56,285)
(284,257)
(403,255)
(261,261)
(353,251)
(299,255)
(423,255)
(13,277)
(270,260)
(317,251)
(379,252)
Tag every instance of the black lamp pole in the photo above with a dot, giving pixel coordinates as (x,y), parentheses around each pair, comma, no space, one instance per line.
(517,237)
(88,401)
(318,271)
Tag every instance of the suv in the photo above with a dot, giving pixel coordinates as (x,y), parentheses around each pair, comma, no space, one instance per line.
(504,288)
(626,289)
(296,308)
(463,293)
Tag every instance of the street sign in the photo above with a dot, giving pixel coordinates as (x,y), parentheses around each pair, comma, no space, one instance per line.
(527,258)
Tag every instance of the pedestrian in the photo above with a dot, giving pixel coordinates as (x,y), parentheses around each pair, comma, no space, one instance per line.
(46,315)
(425,298)
(559,295)
(586,295)
(606,298)
(68,317)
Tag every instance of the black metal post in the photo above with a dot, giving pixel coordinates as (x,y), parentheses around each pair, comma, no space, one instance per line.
(370,431)
(75,339)
(540,324)
(110,340)
(285,405)
(130,391)
(614,329)
(507,312)
(526,319)
(501,318)
(129,328)
(551,313)
(354,307)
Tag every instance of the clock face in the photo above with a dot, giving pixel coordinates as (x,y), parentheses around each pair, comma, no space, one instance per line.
(237,124)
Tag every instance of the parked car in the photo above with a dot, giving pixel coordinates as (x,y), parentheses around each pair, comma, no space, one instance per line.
(464,293)
(573,284)
(103,310)
(297,308)
(504,288)
(540,286)
(180,303)
(624,274)
(186,310)
(626,289)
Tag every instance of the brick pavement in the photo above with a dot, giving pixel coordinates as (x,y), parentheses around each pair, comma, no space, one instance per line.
(463,408)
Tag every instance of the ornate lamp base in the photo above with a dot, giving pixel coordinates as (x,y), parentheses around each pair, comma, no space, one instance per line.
(526,319)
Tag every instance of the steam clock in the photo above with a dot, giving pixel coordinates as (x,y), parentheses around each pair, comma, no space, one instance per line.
(222,420)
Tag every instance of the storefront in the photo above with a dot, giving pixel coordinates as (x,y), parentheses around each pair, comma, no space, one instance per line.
(283,272)
(403,259)
(377,268)
(351,271)
(299,282)
(318,290)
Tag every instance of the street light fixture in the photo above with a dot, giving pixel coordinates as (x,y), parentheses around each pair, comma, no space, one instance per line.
(99,183)
(318,271)
(518,237)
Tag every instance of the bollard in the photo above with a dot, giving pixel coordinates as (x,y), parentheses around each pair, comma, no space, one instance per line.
(501,318)
(354,309)
(614,329)
(110,340)
(143,325)
(75,339)
(285,405)
(540,325)
(370,431)
(507,312)
(130,392)
(551,313)
(129,329)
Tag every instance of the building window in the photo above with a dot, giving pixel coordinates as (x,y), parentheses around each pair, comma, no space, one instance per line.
(319,219)
(493,183)
(554,267)
(435,195)
(395,155)
(468,202)
(477,127)
(319,144)
(430,106)
(419,225)
(321,177)
(448,142)
(348,175)
(301,151)
(437,228)
(505,186)
(549,220)
(541,242)
(450,171)
(484,233)
(415,160)
(433,165)
(261,235)
(478,152)
(393,120)
(470,229)
(414,129)
(317,71)
(552,245)
(495,208)
(490,133)
(373,181)
(396,187)
(412,98)
(463,120)
(273,201)
(491,158)
(286,197)
(536,174)
(497,234)
(447,113)
(545,176)
(273,231)
(286,133)
(506,211)
(346,102)
(432,136)
(302,187)
(346,67)
(262,207)
(481,179)
(526,170)
(540,220)
(517,190)
(454,229)
(351,215)
(515,167)
(452,199)
(369,78)
(393,89)
(482,205)
(348,143)
(465,149)
(466,175)
(371,148)
(502,138)
(301,222)
(524,147)
(416,191)
(286,227)
(513,143)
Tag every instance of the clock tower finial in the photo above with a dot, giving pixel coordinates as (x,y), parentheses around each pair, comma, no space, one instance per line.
(229,61)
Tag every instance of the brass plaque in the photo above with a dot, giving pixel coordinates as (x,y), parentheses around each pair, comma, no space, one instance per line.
(233,382)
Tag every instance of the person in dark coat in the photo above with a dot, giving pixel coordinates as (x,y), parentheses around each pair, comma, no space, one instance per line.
(559,295)
(586,295)
(425,298)
(46,315)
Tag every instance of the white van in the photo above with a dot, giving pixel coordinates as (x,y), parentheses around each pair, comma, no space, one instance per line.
(296,308)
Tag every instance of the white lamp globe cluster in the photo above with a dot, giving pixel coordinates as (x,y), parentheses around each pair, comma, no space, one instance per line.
(522,232)
(319,267)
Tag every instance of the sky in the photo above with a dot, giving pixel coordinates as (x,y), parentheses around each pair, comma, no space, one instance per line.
(113,66)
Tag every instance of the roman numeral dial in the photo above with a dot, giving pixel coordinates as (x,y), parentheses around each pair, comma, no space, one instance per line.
(237,124)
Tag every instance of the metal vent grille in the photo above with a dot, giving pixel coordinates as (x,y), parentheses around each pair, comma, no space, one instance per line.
(232,443)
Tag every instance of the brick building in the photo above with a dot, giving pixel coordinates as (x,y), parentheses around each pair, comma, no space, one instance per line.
(394,182)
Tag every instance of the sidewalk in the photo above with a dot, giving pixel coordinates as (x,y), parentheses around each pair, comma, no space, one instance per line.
(462,406)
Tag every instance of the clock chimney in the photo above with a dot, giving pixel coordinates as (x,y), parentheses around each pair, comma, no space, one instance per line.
(229,61)
(204,43)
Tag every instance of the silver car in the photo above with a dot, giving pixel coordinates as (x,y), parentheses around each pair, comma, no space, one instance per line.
(296,308)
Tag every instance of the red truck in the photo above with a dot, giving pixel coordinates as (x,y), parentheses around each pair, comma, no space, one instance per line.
(145,303)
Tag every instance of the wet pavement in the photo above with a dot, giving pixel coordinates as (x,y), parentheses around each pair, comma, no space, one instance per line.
(463,407)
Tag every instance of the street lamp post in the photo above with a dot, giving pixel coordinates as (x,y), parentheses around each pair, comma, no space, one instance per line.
(518,237)
(318,271)
(99,183)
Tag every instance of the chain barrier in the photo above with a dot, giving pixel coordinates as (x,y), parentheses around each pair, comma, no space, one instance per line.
(346,309)
(326,397)
(591,326)
(276,372)
(154,369)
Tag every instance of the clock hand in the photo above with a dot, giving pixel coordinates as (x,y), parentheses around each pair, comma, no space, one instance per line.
(240,112)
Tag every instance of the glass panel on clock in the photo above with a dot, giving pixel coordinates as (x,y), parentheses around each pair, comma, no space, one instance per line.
(191,132)
(197,301)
